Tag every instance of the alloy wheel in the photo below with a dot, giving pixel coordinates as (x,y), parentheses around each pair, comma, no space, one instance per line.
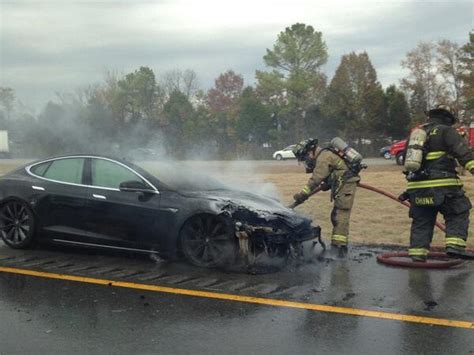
(16,224)
(208,241)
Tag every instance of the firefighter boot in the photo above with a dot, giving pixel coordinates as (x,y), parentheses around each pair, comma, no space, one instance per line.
(418,254)
(459,253)
(339,248)
(339,252)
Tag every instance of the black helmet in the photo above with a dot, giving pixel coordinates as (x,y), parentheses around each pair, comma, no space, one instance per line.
(444,112)
(302,149)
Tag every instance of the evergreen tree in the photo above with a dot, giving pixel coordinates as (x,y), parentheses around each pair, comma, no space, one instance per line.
(254,121)
(177,113)
(398,120)
(354,106)
(296,80)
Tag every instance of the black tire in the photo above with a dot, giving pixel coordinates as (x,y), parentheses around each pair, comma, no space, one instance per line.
(208,241)
(399,159)
(17,224)
(279,157)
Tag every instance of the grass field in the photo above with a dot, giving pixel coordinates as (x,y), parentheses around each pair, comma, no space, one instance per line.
(375,218)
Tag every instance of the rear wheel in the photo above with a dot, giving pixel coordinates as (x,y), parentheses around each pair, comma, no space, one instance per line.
(17,225)
(208,241)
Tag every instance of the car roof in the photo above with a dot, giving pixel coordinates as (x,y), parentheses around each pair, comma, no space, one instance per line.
(81,155)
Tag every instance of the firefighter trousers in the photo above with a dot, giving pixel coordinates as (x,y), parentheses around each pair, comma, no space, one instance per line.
(341,213)
(453,205)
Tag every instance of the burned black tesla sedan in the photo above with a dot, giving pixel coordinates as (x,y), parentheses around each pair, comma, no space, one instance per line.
(102,202)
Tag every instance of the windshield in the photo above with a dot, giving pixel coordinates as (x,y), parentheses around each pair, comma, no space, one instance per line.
(182,178)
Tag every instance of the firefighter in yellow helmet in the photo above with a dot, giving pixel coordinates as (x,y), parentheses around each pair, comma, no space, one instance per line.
(330,170)
(433,185)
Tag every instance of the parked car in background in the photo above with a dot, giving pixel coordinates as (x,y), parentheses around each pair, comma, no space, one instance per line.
(385,152)
(286,153)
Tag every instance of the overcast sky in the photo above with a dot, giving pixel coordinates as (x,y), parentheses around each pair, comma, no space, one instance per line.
(58,45)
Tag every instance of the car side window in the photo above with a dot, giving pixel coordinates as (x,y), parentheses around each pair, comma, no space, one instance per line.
(40,169)
(106,173)
(64,170)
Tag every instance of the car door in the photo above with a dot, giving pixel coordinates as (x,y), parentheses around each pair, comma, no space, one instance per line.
(119,218)
(288,153)
(60,201)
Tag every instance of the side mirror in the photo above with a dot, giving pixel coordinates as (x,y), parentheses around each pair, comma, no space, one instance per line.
(135,186)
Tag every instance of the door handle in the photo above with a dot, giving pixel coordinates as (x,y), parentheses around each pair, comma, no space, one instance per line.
(99,197)
(39,188)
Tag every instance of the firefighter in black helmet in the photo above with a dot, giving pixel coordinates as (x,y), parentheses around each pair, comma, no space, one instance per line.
(331,170)
(435,187)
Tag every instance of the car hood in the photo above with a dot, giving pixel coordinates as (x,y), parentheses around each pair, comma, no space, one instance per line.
(248,206)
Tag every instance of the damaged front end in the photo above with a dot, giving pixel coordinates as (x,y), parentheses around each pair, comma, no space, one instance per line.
(273,233)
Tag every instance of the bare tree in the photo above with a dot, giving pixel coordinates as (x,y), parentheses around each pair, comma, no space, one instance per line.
(467,77)
(422,85)
(450,68)
(185,82)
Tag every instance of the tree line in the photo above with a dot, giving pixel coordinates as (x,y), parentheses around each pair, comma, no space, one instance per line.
(291,100)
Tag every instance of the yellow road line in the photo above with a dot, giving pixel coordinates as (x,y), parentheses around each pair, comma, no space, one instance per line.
(246,299)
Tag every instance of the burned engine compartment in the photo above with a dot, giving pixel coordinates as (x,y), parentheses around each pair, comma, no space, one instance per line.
(270,232)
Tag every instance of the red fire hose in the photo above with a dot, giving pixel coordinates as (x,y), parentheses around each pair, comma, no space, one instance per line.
(436,260)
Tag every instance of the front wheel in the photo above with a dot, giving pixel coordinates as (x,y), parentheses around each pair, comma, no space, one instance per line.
(399,159)
(208,241)
(17,224)
(279,157)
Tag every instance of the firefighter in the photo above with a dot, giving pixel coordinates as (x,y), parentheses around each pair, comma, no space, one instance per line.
(435,187)
(329,168)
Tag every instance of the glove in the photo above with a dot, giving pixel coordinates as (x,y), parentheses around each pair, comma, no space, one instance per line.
(300,197)
(403,196)
(325,186)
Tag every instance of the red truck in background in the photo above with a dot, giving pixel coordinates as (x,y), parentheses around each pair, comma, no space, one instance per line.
(397,148)
(396,151)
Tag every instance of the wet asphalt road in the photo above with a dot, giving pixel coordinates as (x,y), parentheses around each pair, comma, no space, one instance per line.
(41,315)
